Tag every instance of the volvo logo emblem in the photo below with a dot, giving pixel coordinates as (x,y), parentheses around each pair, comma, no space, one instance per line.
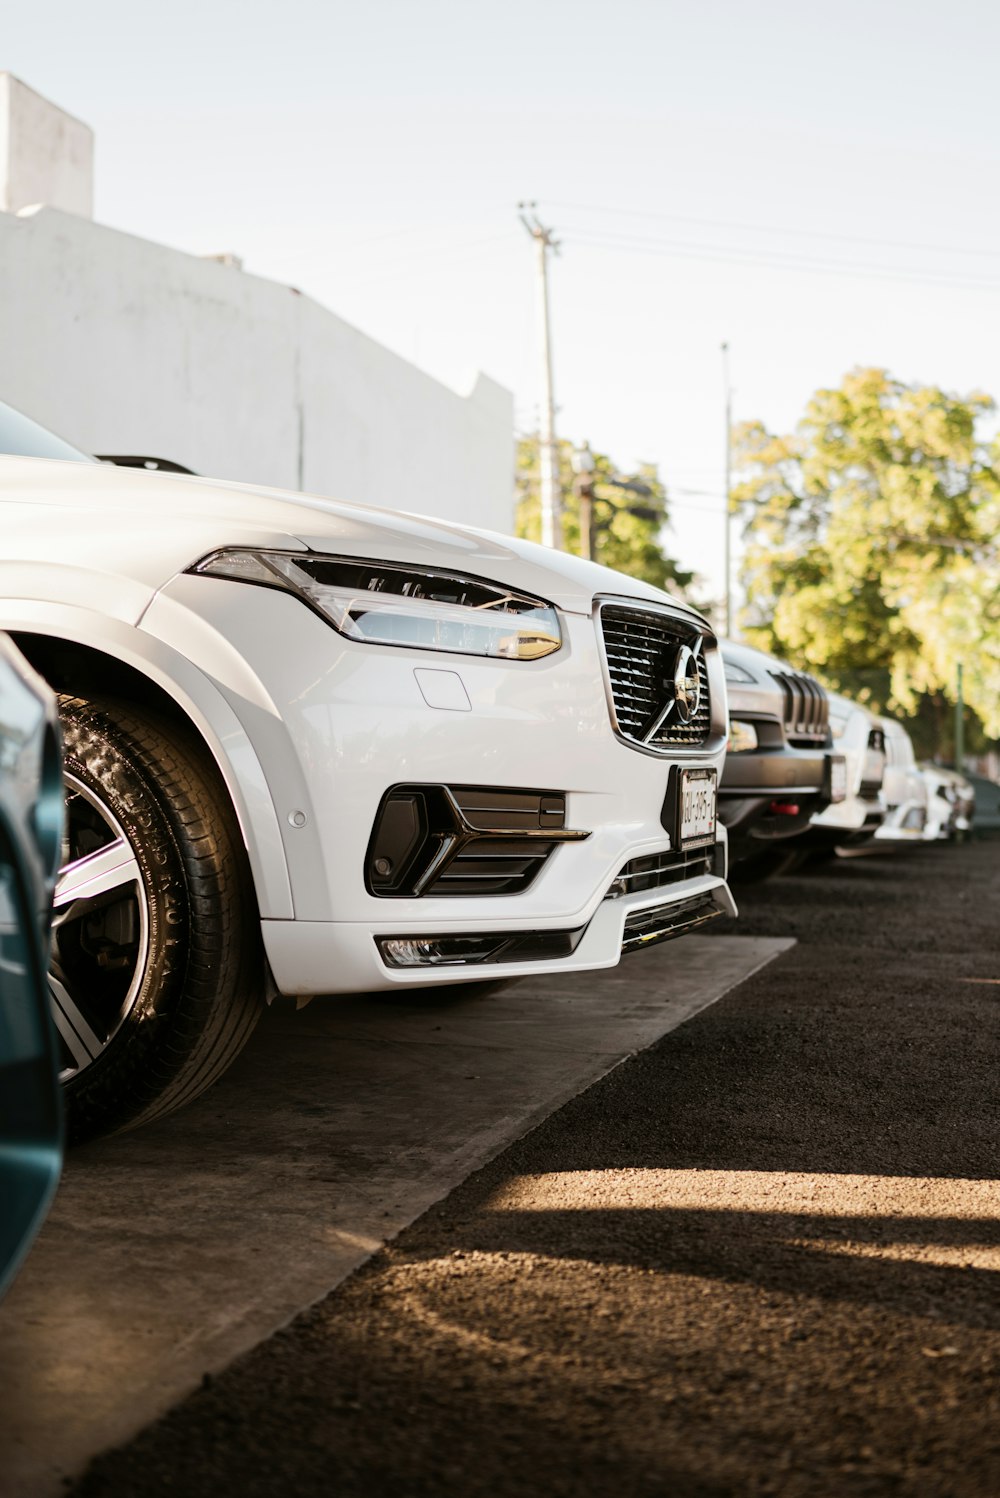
(681,687)
(686,684)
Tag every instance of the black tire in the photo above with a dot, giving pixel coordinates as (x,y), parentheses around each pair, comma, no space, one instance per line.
(157,980)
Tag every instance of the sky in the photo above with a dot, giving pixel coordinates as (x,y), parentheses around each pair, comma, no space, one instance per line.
(814,185)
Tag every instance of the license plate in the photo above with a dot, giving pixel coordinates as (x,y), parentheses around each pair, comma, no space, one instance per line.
(695,807)
(837,772)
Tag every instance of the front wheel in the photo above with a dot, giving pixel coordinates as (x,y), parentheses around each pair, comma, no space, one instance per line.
(156,976)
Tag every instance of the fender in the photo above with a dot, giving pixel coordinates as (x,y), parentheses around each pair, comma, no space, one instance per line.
(209,713)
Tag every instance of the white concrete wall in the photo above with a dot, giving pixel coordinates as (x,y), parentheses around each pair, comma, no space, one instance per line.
(46,156)
(124,346)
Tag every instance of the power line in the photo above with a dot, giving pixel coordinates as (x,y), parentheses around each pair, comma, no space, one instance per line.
(673,218)
(776,260)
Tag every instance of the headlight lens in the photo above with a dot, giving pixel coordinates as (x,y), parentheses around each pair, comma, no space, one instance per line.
(737,673)
(837,726)
(385,603)
(742,737)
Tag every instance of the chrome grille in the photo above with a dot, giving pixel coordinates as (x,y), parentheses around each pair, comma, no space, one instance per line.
(641,647)
(807,708)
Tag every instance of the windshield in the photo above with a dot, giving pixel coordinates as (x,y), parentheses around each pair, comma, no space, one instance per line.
(20,437)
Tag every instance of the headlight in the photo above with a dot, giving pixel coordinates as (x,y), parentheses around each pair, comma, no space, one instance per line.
(742,737)
(838,726)
(737,673)
(384,603)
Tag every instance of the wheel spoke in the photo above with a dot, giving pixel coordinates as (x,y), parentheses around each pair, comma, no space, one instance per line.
(76,1034)
(88,880)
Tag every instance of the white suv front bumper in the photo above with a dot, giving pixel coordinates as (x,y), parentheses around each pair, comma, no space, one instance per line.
(335,723)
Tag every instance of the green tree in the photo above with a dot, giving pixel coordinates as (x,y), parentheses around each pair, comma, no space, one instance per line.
(871,545)
(628,522)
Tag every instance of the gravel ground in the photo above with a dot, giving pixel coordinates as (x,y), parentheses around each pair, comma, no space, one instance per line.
(761,1257)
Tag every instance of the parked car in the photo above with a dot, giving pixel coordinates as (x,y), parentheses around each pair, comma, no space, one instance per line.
(30,838)
(315,747)
(780,768)
(951,802)
(987,801)
(904,789)
(858,735)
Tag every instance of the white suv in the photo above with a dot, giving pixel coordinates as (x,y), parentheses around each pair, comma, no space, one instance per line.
(860,737)
(315,747)
(904,789)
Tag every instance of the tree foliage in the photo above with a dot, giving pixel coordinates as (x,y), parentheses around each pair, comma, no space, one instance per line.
(871,543)
(628,522)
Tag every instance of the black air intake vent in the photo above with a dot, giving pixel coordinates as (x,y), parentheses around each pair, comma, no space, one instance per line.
(807,709)
(463,840)
(642,648)
(659,869)
(644,928)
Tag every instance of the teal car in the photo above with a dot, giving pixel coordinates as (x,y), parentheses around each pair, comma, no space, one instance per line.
(31,821)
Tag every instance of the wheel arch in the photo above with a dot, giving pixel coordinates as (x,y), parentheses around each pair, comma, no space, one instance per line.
(167,684)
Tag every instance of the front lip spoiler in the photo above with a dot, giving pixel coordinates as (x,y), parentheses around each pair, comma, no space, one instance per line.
(646,921)
(643,928)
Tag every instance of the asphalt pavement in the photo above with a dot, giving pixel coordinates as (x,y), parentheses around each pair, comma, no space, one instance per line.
(174,1248)
(760,1257)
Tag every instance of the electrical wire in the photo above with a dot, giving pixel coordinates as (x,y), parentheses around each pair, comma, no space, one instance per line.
(774,260)
(673,218)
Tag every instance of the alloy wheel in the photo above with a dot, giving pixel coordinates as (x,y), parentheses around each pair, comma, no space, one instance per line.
(100,930)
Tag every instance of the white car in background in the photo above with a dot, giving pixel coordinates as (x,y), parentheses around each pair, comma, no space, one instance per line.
(904,789)
(858,735)
(319,748)
(951,802)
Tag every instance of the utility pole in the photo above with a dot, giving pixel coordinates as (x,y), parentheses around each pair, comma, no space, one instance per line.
(584,467)
(959,722)
(728,563)
(548,453)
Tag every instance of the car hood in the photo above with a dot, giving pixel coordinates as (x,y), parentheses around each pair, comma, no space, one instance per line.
(144,528)
(753,660)
(763,694)
(855,719)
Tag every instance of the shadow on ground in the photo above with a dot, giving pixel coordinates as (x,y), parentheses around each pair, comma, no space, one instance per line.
(761,1257)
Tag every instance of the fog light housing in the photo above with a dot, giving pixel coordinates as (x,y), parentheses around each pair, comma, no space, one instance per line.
(742,737)
(477,948)
(437,951)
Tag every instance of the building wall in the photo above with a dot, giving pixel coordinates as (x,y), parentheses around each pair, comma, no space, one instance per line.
(125,346)
(46,156)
